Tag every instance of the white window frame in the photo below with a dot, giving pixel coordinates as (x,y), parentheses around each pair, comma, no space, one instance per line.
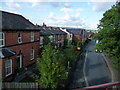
(20,38)
(58,37)
(32,36)
(51,38)
(6,67)
(32,52)
(54,38)
(2,40)
(41,40)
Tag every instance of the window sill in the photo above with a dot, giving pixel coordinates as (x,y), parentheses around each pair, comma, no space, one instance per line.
(19,42)
(32,41)
(8,74)
(2,46)
(31,59)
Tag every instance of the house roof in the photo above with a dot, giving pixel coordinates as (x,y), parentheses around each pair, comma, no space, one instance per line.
(74,31)
(51,31)
(6,52)
(85,32)
(11,21)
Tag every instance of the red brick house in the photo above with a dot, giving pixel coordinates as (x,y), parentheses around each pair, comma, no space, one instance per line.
(78,34)
(55,34)
(19,44)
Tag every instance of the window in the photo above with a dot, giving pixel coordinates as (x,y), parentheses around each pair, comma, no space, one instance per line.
(32,54)
(19,37)
(58,37)
(8,67)
(51,38)
(41,40)
(54,38)
(2,39)
(32,36)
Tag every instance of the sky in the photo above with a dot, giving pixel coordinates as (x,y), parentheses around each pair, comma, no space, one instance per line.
(61,13)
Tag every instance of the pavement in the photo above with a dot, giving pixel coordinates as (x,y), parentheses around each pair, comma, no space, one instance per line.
(115,73)
(77,75)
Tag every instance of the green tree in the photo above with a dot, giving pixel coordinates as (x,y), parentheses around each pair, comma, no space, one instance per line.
(70,54)
(51,67)
(79,44)
(109,32)
(46,39)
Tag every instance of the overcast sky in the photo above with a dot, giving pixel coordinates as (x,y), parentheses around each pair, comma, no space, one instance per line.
(78,13)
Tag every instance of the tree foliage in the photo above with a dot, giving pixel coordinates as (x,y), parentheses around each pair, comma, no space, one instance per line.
(109,34)
(70,54)
(51,67)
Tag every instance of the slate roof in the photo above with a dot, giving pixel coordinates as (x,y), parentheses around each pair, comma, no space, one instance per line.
(85,32)
(6,52)
(74,31)
(11,21)
(51,31)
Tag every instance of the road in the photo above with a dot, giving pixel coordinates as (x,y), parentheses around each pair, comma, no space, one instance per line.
(96,69)
(91,69)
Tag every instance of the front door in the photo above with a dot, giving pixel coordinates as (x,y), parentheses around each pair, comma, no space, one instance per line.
(19,62)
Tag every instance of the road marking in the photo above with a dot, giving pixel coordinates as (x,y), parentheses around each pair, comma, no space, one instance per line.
(84,70)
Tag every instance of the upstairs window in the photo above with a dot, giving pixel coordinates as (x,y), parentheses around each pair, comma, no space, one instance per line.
(2,43)
(41,40)
(58,37)
(19,37)
(54,38)
(32,54)
(32,36)
(51,38)
(8,67)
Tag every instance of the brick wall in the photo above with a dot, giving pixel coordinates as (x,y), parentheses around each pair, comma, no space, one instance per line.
(11,38)
(11,41)
(77,37)
(9,78)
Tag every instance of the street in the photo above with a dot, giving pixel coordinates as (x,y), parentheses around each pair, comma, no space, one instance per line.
(96,70)
(91,69)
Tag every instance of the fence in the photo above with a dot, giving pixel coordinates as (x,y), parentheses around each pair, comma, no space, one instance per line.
(20,86)
(102,86)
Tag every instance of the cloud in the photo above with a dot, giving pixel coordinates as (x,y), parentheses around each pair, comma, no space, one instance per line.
(66,10)
(67,5)
(55,4)
(67,20)
(101,6)
(69,10)
(12,5)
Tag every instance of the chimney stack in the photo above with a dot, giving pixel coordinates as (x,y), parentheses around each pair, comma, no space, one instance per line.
(44,25)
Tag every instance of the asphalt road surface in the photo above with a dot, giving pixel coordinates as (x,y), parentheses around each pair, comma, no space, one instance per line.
(96,70)
(91,69)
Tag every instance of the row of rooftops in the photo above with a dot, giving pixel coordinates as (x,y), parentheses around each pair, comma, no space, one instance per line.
(16,22)
(13,22)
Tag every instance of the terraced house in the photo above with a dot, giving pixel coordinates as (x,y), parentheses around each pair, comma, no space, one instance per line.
(55,34)
(19,44)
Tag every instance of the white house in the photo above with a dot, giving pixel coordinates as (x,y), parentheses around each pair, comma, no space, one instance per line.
(69,35)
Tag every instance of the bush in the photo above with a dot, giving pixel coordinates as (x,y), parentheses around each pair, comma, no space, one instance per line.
(51,67)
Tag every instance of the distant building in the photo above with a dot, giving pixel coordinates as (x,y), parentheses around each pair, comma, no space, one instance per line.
(55,34)
(69,35)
